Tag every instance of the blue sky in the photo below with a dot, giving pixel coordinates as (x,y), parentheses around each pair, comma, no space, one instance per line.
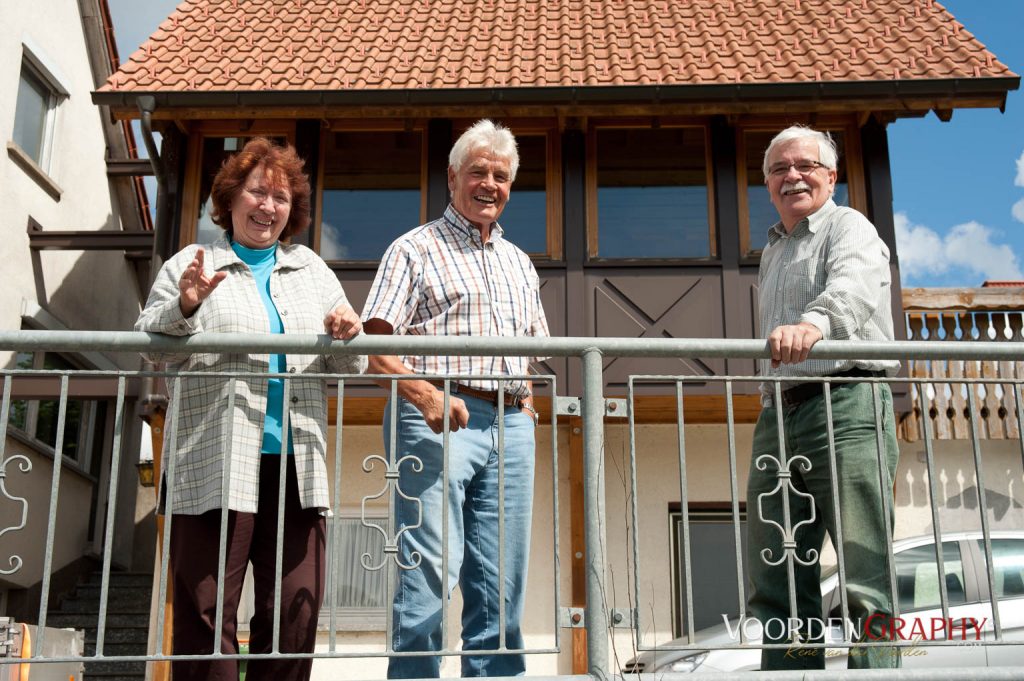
(958,187)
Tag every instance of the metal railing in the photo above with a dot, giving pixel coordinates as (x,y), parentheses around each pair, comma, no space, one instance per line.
(600,617)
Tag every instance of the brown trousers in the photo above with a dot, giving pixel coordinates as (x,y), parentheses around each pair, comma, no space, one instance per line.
(252,537)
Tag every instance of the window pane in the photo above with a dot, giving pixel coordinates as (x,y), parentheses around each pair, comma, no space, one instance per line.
(525,218)
(652,195)
(30,115)
(19,408)
(216,150)
(761,213)
(1008,566)
(371,192)
(358,587)
(74,417)
(917,577)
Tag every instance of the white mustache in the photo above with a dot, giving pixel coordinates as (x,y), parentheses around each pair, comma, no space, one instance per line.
(795,186)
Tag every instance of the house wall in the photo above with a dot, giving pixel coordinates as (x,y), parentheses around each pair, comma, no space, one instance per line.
(707,468)
(82,291)
(93,290)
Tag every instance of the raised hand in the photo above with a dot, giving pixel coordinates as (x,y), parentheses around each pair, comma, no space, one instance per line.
(194,286)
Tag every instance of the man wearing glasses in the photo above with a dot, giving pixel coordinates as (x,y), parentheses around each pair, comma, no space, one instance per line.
(824,274)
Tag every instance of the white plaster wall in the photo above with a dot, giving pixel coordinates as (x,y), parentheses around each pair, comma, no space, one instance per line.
(72,522)
(94,290)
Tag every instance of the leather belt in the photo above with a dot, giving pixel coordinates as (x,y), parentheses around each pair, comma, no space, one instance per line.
(485,395)
(798,394)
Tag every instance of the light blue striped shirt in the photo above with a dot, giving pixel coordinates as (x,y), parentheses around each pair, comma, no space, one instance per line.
(832,270)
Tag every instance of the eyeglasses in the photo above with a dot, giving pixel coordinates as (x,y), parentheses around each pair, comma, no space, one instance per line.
(802,167)
(260,196)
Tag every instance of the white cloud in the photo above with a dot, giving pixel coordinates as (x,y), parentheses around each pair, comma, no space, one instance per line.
(1019,180)
(968,248)
(1018,211)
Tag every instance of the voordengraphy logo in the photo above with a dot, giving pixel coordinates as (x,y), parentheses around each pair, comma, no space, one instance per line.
(874,628)
(919,629)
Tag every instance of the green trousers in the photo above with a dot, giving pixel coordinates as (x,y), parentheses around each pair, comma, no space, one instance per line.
(862,514)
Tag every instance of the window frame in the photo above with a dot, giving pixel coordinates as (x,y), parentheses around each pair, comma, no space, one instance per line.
(591,181)
(87,431)
(699,512)
(35,62)
(356,125)
(549,129)
(852,157)
(198,134)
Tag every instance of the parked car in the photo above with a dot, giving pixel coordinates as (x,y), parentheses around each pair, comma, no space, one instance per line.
(970,611)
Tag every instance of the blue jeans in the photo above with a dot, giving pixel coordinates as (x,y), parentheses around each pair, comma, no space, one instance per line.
(862,515)
(472,535)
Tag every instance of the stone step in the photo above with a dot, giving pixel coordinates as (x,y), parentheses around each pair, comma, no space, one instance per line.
(90,620)
(120,635)
(117,594)
(122,579)
(92,669)
(115,649)
(114,606)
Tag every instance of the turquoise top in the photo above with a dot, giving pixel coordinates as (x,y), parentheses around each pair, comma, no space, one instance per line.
(261,262)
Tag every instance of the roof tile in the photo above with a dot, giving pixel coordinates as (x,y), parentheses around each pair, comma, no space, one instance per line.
(235,45)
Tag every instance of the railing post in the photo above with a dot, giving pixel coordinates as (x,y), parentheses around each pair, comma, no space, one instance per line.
(593,516)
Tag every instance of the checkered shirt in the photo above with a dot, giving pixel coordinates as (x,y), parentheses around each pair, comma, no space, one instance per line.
(831,271)
(304,290)
(440,279)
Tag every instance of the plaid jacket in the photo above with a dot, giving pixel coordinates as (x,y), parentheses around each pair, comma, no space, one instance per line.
(304,290)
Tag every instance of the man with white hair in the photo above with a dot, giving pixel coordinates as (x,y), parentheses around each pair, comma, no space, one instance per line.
(458,275)
(824,274)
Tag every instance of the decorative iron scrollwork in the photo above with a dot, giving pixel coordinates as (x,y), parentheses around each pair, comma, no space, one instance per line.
(25,465)
(785,485)
(391,488)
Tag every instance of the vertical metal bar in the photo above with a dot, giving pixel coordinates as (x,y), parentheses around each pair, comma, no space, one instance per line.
(556,564)
(446,431)
(222,542)
(502,645)
(834,480)
(333,585)
(783,486)
(393,514)
(108,544)
(730,420)
(1019,400)
(168,490)
(593,499)
(634,513)
(885,485)
(983,509)
(5,414)
(51,523)
(929,458)
(281,485)
(684,510)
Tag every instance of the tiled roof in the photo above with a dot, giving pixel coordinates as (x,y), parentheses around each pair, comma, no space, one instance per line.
(310,45)
(1003,284)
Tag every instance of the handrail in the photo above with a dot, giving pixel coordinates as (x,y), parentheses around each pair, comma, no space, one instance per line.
(491,346)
